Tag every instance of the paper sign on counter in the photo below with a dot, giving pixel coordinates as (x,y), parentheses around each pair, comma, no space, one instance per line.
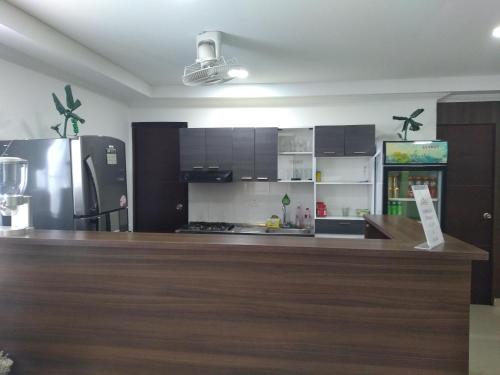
(428,216)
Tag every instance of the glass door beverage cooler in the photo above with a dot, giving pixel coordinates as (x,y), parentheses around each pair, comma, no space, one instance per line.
(413,163)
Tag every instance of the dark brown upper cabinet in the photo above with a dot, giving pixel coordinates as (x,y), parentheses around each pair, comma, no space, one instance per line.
(218,149)
(192,149)
(266,154)
(251,153)
(255,154)
(243,154)
(329,141)
(360,140)
(349,140)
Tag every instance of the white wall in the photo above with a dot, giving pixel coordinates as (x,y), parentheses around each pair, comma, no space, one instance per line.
(27,109)
(257,201)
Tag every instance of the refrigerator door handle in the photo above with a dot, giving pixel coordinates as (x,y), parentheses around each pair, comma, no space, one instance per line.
(93,177)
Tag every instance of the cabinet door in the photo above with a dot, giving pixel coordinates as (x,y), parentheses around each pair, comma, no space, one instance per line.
(359,140)
(339,226)
(192,148)
(219,149)
(243,154)
(266,154)
(328,141)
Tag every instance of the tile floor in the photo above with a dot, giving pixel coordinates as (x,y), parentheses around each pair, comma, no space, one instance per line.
(485,340)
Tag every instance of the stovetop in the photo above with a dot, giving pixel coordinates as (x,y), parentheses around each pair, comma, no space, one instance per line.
(206,227)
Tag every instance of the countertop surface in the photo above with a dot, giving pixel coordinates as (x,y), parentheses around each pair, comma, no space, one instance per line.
(404,234)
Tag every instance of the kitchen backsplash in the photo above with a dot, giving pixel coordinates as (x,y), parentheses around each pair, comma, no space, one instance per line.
(246,202)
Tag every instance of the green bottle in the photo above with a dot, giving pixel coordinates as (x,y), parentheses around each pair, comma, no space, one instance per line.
(399,209)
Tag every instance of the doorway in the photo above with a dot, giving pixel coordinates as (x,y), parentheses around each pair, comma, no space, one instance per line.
(471,194)
(160,199)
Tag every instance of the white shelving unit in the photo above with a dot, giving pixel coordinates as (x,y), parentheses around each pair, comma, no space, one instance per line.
(295,155)
(346,182)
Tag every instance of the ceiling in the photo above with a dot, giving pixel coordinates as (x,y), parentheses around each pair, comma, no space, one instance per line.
(286,41)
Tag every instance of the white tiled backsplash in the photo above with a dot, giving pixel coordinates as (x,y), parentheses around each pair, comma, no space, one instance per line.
(246,202)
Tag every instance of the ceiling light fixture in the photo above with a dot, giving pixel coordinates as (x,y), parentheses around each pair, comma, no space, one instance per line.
(238,73)
(211,67)
(496,32)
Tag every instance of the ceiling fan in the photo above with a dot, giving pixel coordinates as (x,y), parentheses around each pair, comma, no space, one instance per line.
(211,67)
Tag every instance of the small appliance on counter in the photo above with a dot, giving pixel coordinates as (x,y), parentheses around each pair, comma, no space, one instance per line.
(13,203)
(75,183)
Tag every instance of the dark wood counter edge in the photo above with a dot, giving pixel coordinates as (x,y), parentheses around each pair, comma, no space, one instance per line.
(404,234)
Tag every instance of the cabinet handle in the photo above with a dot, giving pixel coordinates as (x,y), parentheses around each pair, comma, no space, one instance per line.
(359,152)
(198,167)
(329,152)
(262,178)
(213,167)
(344,223)
(246,178)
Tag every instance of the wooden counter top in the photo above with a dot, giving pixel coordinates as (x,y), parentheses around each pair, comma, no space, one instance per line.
(403,235)
(90,303)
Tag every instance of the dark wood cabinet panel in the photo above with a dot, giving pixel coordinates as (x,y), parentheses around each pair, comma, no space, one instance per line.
(471,161)
(326,226)
(160,199)
(243,154)
(266,154)
(192,148)
(329,141)
(373,233)
(218,148)
(359,140)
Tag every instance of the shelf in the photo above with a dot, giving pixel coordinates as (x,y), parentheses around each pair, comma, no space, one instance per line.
(344,183)
(340,218)
(296,153)
(409,199)
(295,181)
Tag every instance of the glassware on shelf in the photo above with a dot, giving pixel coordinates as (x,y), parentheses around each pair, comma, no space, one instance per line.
(346,211)
(309,144)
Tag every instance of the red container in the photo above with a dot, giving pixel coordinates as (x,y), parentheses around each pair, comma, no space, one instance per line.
(321,209)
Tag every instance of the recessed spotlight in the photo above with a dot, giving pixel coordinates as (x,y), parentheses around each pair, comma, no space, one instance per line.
(238,73)
(496,32)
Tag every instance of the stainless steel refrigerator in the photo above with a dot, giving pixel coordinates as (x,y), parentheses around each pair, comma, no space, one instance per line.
(76,183)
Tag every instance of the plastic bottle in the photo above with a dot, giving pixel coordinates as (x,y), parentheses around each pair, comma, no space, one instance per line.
(299,217)
(308,218)
(392,208)
(399,209)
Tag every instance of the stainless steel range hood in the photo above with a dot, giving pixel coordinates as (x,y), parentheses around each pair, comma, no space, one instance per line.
(207,176)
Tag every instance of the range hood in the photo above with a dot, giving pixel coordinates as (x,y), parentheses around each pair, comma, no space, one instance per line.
(207,176)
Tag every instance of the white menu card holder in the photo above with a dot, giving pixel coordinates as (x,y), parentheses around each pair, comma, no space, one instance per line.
(428,216)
